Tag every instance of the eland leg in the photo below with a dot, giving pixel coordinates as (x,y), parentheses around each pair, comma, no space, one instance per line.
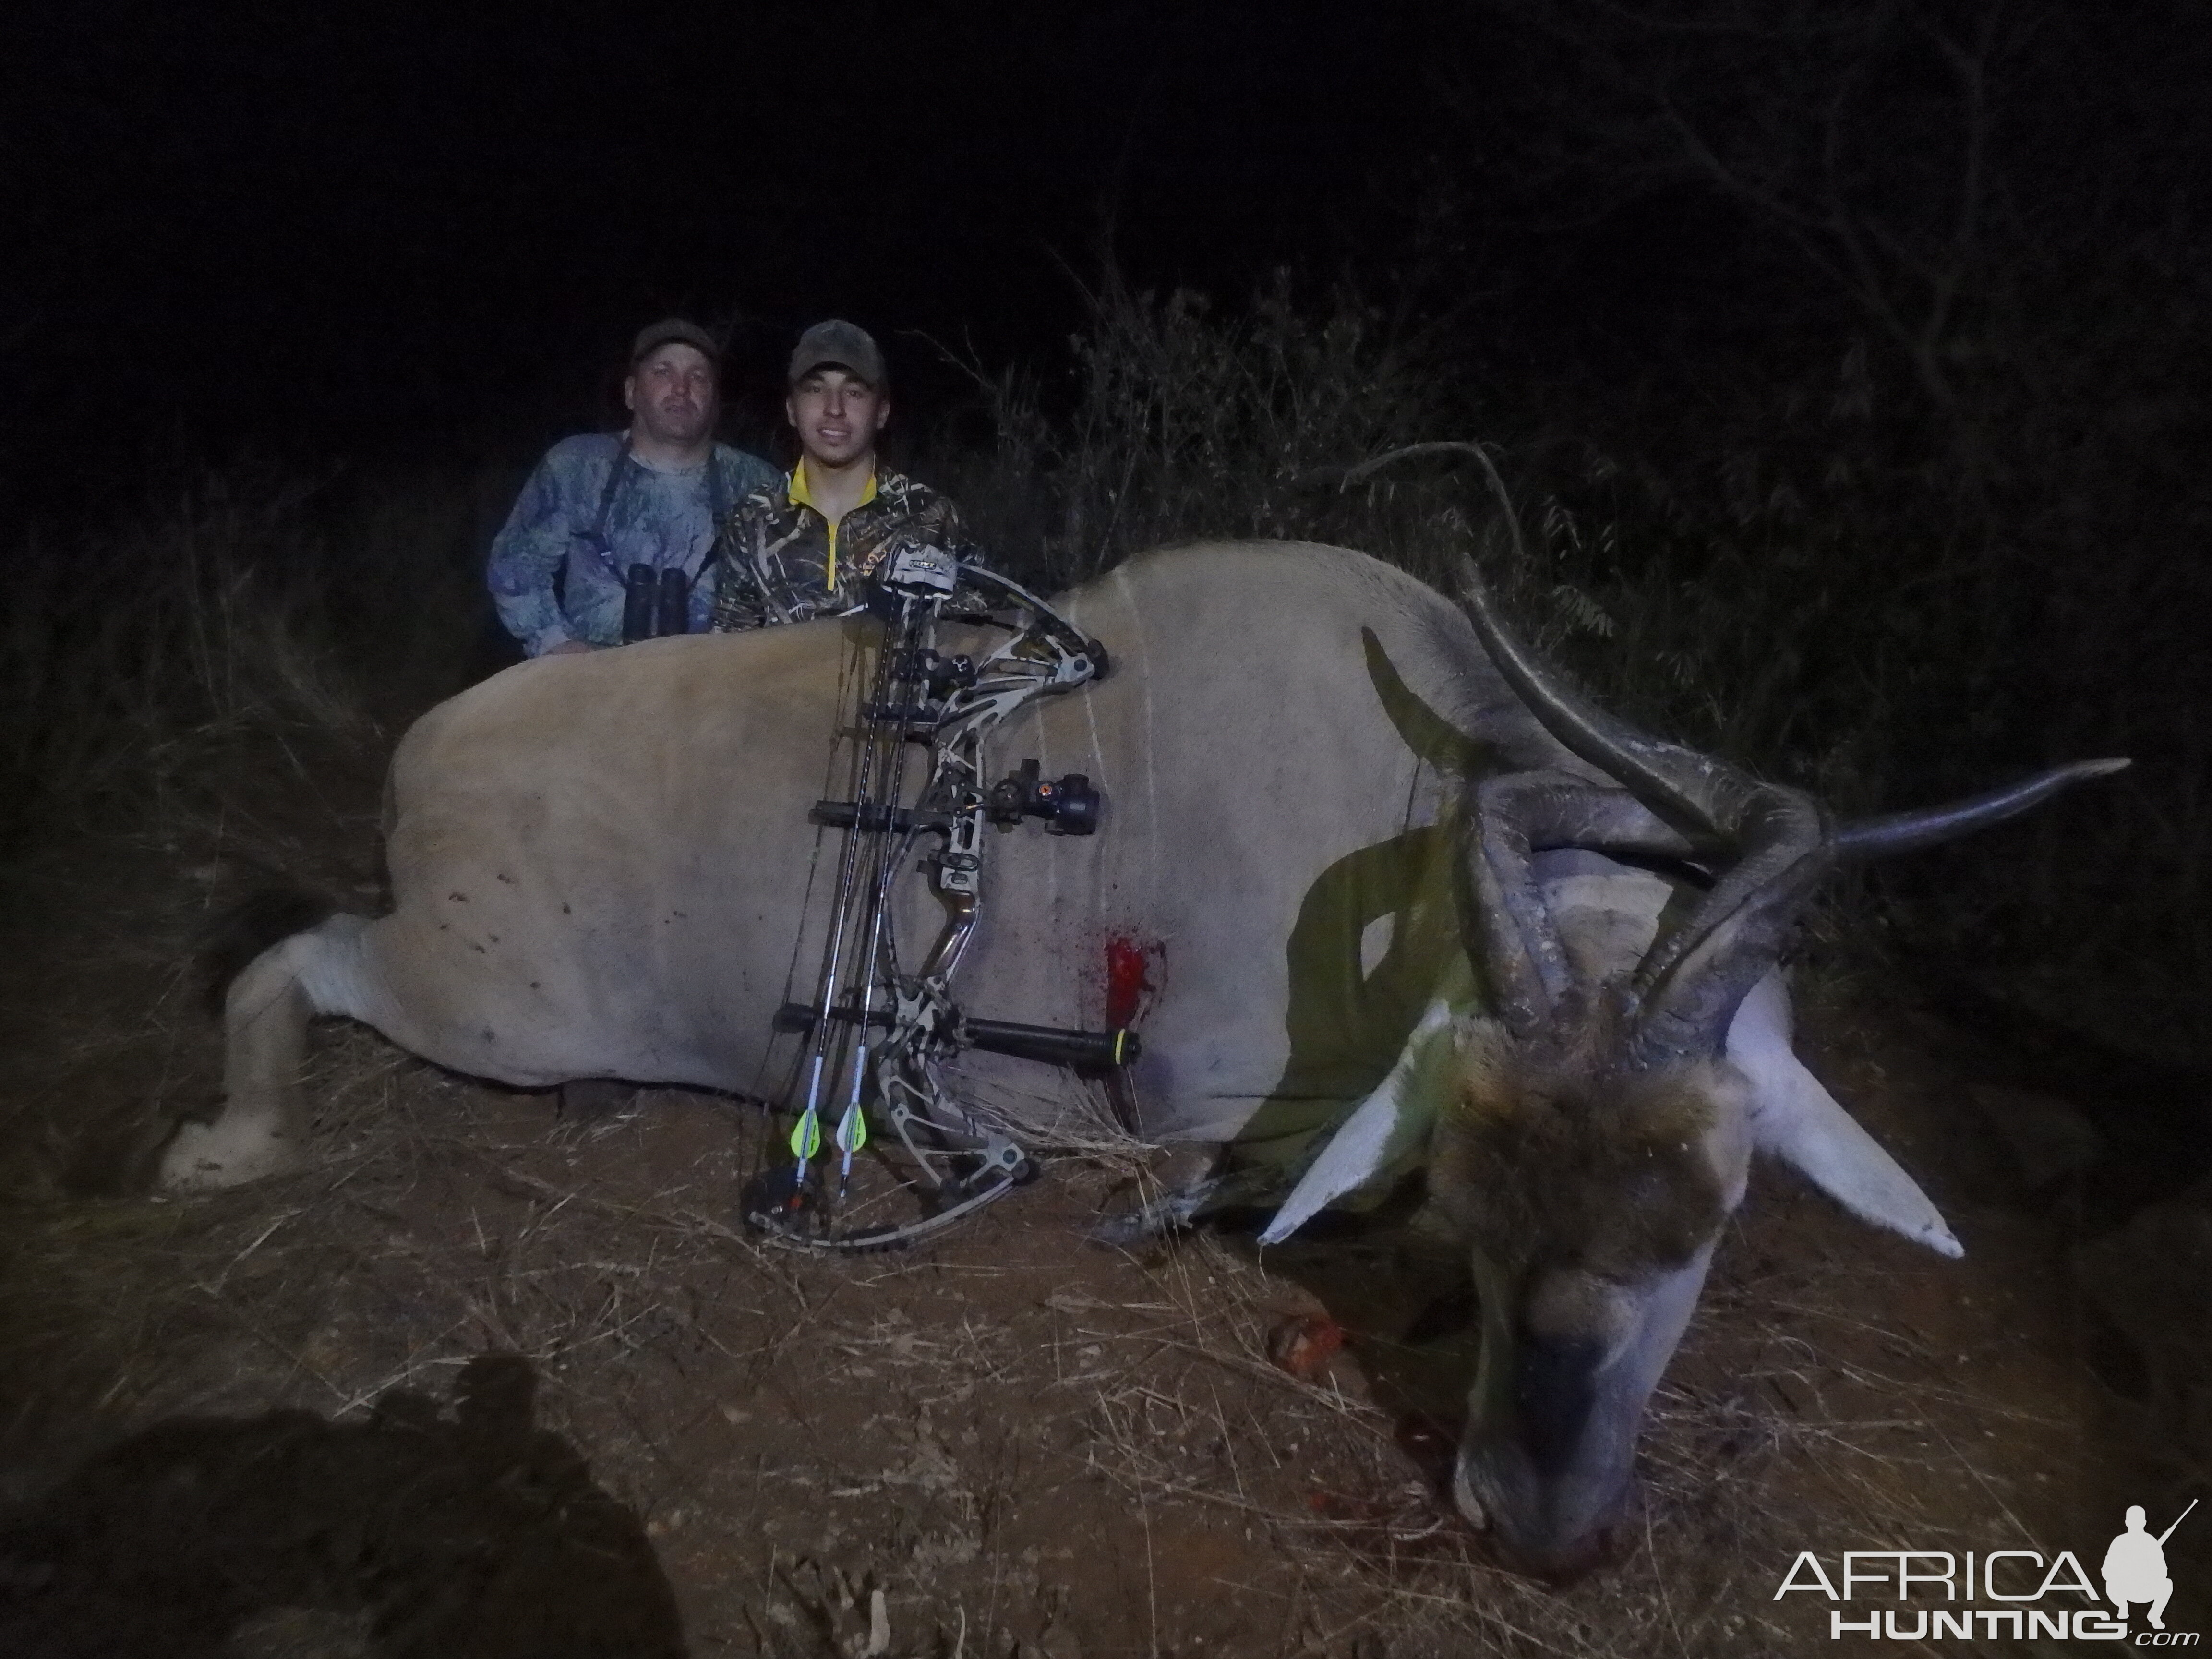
(1182,1183)
(261,1129)
(589,1100)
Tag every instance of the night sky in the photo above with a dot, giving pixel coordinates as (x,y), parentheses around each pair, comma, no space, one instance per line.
(352,228)
(306,232)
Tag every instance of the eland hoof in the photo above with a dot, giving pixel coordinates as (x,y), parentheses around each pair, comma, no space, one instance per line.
(208,1157)
(589,1100)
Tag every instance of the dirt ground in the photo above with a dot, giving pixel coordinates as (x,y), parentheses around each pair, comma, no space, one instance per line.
(1011,1444)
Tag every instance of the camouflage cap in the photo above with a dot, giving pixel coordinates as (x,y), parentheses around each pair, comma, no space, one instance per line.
(846,344)
(673,331)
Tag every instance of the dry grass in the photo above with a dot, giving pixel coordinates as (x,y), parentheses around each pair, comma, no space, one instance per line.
(802,1435)
(1735,1478)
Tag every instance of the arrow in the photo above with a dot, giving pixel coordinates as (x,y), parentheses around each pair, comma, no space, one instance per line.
(853,1128)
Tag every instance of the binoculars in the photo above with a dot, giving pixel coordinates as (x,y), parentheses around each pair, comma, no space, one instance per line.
(654,603)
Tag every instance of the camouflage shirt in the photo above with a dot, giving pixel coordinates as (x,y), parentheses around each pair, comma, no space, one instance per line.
(780,563)
(590,510)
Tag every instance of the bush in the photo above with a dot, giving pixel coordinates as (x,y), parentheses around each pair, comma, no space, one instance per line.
(1783,584)
(1788,585)
(158,672)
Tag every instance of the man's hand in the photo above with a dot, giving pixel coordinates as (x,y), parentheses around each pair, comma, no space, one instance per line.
(568,648)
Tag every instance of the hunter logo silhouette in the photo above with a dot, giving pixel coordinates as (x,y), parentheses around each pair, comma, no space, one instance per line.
(2134,1566)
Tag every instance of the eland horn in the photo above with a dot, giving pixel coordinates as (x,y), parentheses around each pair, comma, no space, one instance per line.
(1930,826)
(1779,841)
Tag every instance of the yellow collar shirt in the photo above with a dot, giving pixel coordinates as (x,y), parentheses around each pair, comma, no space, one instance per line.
(795,488)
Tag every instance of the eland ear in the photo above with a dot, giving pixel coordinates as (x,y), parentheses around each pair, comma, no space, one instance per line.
(1797,1121)
(1383,1130)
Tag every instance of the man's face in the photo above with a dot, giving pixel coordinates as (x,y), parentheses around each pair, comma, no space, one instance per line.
(670,395)
(837,415)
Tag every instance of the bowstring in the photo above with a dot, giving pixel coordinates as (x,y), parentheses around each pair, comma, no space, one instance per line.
(850,658)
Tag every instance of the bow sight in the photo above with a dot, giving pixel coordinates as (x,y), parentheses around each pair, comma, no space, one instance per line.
(876,1036)
(1068,806)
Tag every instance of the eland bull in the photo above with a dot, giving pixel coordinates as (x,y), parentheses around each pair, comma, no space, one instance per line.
(1398,897)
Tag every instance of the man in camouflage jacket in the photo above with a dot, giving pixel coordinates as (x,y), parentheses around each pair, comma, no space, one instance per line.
(805,544)
(603,502)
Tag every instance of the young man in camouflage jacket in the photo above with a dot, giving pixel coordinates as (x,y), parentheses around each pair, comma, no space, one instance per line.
(804,545)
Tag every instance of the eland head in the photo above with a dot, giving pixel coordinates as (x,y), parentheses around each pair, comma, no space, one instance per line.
(1589,1123)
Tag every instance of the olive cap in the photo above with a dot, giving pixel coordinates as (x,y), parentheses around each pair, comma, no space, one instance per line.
(673,331)
(847,345)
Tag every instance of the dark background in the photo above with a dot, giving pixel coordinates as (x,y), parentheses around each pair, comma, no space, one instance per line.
(368,228)
(362,226)
(1849,355)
